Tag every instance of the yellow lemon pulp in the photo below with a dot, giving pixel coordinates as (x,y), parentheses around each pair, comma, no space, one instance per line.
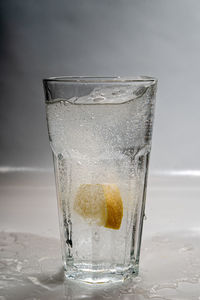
(101,203)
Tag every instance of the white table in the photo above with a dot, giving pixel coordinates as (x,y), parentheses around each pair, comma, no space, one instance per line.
(31,266)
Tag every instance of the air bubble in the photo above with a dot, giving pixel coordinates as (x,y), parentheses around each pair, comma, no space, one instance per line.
(96,236)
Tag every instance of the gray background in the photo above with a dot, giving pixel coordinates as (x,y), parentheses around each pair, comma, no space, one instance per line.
(100,37)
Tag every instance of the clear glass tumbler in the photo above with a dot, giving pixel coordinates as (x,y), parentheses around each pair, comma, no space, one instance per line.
(100,132)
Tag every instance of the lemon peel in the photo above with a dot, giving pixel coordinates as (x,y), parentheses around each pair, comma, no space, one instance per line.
(101,203)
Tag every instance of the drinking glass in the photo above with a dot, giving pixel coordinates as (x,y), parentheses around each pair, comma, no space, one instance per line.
(100,131)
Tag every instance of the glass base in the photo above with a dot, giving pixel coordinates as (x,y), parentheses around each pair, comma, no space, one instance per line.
(99,276)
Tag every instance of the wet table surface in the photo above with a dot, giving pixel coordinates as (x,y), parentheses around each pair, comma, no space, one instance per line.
(30,259)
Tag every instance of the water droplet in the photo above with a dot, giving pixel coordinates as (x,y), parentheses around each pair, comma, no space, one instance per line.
(98,99)
(117,92)
(92,116)
(137,279)
(184,249)
(96,236)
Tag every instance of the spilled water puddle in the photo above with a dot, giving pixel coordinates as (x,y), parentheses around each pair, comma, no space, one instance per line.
(31,268)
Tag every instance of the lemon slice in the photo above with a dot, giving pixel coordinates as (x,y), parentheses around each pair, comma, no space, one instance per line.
(101,203)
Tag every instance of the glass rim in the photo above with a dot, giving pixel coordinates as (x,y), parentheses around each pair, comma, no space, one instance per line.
(101,79)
